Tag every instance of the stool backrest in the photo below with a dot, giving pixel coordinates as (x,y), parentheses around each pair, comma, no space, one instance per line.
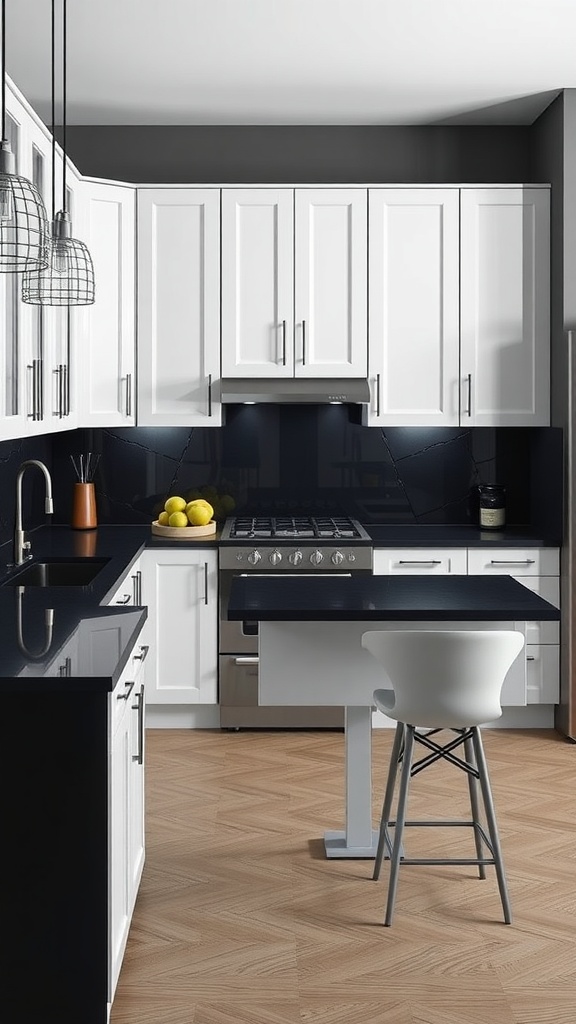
(445,678)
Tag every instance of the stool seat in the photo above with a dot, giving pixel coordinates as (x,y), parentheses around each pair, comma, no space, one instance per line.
(441,680)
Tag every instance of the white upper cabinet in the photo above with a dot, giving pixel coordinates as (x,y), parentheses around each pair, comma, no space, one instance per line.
(330,294)
(257,282)
(106,223)
(294,267)
(505,314)
(414,301)
(179,307)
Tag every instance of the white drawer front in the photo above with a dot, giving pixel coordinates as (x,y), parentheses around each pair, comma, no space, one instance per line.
(514,561)
(542,674)
(420,561)
(547,587)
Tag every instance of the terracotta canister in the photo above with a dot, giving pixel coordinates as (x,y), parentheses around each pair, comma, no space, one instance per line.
(84,507)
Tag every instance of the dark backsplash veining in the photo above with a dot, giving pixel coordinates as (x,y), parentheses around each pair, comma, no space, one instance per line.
(286,459)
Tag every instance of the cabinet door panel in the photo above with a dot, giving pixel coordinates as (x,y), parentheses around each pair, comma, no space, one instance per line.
(505,307)
(179,307)
(257,282)
(108,378)
(331,329)
(414,298)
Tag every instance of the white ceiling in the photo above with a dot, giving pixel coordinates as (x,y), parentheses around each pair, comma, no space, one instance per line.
(299,61)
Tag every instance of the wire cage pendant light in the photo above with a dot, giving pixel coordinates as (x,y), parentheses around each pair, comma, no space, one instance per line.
(23,221)
(67,279)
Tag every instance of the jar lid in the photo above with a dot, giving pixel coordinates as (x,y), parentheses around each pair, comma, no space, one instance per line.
(491,487)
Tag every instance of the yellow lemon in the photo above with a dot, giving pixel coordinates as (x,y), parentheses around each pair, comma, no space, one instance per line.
(174,504)
(199,513)
(163,519)
(178,519)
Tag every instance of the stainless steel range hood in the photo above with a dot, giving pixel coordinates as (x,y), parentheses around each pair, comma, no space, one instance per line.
(300,391)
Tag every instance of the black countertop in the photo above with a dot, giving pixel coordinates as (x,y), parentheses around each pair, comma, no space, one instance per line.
(25,612)
(386,598)
(416,535)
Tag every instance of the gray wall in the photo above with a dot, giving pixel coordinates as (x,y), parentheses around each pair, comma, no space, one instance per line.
(302,153)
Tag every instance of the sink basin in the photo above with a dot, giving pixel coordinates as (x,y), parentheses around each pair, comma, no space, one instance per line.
(71,573)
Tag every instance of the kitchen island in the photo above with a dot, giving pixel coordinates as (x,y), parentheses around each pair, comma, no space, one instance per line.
(310,652)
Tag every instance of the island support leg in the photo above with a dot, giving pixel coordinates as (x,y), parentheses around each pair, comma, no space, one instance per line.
(359,839)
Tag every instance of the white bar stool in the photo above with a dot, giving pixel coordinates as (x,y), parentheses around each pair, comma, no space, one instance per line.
(441,680)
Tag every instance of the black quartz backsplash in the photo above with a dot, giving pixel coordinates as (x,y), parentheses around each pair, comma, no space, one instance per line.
(289,459)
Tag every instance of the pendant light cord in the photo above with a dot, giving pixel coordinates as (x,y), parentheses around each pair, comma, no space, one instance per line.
(64,106)
(3,70)
(53,112)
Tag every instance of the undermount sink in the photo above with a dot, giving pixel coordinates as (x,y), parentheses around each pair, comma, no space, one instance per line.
(72,573)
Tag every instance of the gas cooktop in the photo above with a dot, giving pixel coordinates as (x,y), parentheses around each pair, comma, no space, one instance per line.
(294,528)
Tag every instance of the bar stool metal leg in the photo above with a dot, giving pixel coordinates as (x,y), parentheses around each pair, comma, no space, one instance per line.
(400,819)
(491,822)
(388,797)
(474,805)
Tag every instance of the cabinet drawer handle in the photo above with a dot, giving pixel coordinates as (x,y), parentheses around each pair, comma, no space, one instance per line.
(143,653)
(139,707)
(469,379)
(246,661)
(129,687)
(377,394)
(209,394)
(530,657)
(283,343)
(205,582)
(128,394)
(422,561)
(65,390)
(303,343)
(32,397)
(511,561)
(123,601)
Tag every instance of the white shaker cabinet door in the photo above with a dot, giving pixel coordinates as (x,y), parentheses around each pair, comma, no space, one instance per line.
(108,383)
(505,307)
(179,307)
(331,267)
(181,590)
(257,282)
(414,331)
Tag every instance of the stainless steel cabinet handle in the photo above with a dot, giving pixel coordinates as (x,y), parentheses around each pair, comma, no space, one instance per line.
(125,601)
(40,387)
(246,661)
(32,395)
(66,390)
(209,394)
(59,411)
(283,343)
(139,575)
(128,394)
(530,657)
(143,653)
(511,561)
(61,396)
(135,588)
(139,706)
(469,409)
(129,687)
(205,582)
(377,394)
(303,343)
(420,561)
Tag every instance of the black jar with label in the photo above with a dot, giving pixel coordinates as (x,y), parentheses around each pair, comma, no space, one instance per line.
(492,506)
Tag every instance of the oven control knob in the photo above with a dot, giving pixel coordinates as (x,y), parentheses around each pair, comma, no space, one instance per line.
(316,557)
(254,557)
(337,558)
(295,557)
(275,558)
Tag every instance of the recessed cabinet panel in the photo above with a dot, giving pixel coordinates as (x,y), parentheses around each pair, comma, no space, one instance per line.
(108,381)
(257,283)
(414,300)
(331,330)
(178,307)
(505,307)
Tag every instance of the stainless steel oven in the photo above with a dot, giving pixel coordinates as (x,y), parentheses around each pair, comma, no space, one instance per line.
(285,546)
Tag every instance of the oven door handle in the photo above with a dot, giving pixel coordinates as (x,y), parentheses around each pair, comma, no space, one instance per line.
(246,661)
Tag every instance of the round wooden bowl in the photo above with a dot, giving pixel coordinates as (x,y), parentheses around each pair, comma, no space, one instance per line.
(184,532)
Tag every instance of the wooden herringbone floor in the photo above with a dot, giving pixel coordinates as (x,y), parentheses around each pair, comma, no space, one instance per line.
(241,920)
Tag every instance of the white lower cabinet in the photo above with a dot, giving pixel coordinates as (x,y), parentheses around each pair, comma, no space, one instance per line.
(537,681)
(180,588)
(126,808)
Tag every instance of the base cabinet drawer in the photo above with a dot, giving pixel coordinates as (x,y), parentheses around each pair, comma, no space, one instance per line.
(420,561)
(514,561)
(542,674)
